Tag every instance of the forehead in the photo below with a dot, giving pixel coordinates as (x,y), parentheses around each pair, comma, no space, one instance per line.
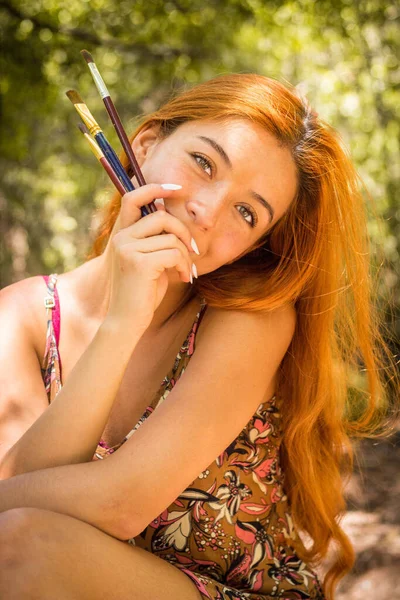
(257,157)
(230,130)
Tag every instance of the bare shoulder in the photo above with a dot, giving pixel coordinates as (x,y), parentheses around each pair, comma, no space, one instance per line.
(23,302)
(23,396)
(245,326)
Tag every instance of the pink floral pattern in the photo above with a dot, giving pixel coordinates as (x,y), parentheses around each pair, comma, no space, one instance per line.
(231,530)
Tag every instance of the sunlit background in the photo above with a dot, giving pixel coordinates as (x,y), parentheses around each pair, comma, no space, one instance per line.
(343,55)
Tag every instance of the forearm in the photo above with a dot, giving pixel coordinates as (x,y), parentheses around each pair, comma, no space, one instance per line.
(87,492)
(69,430)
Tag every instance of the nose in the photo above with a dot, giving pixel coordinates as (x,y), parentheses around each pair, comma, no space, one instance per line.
(205,210)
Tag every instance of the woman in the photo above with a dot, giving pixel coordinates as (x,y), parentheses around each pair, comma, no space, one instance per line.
(212,474)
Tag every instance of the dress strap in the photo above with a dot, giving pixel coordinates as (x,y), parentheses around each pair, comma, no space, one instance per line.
(189,344)
(202,312)
(52,302)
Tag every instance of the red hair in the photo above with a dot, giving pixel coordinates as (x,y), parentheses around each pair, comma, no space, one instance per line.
(316,257)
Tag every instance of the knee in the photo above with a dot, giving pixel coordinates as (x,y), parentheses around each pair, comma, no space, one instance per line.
(25,552)
(19,532)
(21,557)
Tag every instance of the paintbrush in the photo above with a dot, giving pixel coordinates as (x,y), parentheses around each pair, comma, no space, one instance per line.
(116,121)
(96,131)
(102,159)
(109,153)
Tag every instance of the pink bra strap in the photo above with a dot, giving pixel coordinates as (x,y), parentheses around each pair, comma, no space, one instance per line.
(53,302)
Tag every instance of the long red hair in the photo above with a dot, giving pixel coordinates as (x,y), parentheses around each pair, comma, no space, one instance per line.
(316,257)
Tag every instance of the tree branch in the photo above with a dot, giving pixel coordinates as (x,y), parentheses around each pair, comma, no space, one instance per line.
(144,50)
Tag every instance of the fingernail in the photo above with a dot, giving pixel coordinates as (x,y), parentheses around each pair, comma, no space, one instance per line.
(194,271)
(191,278)
(194,246)
(171,186)
(160,200)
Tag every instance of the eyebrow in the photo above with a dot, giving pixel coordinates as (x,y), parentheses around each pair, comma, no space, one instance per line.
(219,149)
(265,204)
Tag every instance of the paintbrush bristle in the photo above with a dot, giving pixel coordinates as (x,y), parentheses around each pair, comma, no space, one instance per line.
(87,56)
(83,128)
(74,97)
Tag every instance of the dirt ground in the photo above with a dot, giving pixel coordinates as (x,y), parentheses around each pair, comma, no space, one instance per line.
(373,522)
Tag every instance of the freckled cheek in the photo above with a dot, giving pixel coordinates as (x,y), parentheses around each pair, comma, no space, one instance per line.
(166,170)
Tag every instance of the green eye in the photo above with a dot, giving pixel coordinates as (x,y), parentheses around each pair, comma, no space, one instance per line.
(248,214)
(204,163)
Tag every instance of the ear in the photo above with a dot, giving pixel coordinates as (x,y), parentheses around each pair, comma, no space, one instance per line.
(145,142)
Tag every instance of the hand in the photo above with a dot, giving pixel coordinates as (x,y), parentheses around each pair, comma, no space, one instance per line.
(142,250)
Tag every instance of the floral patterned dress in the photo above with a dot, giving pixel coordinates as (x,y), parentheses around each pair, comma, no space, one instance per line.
(230,531)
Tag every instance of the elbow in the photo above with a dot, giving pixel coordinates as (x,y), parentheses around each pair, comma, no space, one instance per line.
(118,521)
(122,528)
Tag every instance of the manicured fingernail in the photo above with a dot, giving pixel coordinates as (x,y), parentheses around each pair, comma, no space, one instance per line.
(194,246)
(191,278)
(160,200)
(171,186)
(194,271)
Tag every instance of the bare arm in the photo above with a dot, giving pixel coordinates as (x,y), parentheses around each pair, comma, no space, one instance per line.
(87,492)
(22,394)
(68,431)
(223,385)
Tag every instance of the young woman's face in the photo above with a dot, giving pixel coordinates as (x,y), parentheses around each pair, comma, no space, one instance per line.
(237,181)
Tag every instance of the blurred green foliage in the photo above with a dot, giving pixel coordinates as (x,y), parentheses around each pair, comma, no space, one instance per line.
(344,56)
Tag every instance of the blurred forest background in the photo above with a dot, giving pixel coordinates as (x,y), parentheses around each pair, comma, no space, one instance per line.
(343,55)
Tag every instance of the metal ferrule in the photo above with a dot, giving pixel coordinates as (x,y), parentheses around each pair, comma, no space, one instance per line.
(88,118)
(101,86)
